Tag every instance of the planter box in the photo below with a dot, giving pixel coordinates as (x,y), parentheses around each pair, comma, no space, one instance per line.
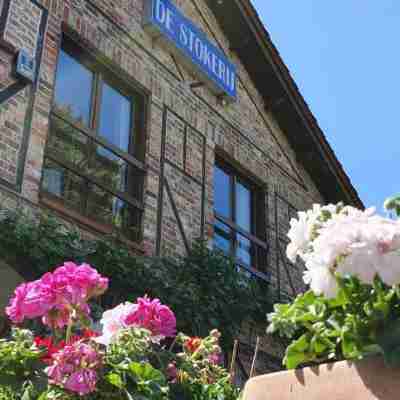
(364,380)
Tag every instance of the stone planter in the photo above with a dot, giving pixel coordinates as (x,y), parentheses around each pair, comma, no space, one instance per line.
(364,380)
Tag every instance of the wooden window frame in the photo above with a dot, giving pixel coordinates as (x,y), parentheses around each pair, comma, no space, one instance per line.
(134,157)
(256,235)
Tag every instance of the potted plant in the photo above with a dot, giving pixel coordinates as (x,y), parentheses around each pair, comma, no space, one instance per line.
(137,354)
(351,312)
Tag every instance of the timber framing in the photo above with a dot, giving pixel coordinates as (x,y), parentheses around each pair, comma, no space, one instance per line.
(241,23)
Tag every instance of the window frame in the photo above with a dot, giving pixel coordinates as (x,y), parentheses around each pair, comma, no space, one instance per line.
(140,99)
(257,225)
(102,74)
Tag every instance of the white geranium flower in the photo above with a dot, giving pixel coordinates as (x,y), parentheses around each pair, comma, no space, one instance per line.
(348,241)
(360,262)
(300,232)
(299,236)
(322,281)
(389,269)
(113,322)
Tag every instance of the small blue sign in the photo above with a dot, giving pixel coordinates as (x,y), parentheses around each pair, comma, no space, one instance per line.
(26,65)
(163,17)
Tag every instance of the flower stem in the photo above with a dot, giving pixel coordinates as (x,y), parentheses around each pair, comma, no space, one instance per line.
(173,344)
(160,361)
(69,331)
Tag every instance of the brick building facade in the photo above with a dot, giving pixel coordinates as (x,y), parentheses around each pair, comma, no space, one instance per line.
(118,133)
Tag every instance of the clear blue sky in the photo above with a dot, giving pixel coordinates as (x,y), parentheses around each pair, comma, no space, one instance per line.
(345,57)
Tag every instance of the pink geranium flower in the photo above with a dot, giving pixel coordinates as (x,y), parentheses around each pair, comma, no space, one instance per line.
(57,295)
(154,316)
(50,346)
(76,284)
(59,316)
(82,382)
(31,300)
(146,313)
(75,368)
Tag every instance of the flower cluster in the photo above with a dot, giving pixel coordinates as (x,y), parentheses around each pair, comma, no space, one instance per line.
(58,296)
(75,368)
(335,239)
(207,347)
(127,359)
(50,346)
(153,316)
(192,344)
(146,313)
(203,354)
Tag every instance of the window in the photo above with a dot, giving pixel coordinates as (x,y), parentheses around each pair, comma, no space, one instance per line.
(94,156)
(239,217)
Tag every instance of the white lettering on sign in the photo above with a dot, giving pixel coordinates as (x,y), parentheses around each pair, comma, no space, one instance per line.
(193,44)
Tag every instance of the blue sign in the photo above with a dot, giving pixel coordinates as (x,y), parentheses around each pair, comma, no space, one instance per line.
(26,65)
(165,19)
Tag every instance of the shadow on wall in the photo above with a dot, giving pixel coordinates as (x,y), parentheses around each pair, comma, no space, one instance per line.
(369,376)
(9,279)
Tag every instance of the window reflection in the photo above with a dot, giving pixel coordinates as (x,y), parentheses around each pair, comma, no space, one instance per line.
(222,243)
(243,207)
(233,202)
(81,171)
(64,184)
(222,204)
(115,118)
(73,89)
(243,250)
(111,170)
(222,238)
(68,143)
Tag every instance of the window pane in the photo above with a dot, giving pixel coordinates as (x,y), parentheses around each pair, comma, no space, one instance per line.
(110,210)
(222,237)
(243,250)
(111,169)
(222,243)
(73,89)
(64,184)
(222,204)
(68,144)
(115,118)
(243,207)
(222,227)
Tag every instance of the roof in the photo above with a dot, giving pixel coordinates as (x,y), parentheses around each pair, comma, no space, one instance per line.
(251,41)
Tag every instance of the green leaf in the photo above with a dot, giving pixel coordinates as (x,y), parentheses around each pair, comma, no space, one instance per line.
(301,344)
(26,395)
(293,359)
(349,346)
(296,352)
(339,301)
(128,395)
(144,372)
(115,380)
(317,345)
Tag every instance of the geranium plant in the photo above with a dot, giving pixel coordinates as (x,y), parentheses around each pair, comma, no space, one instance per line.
(137,354)
(352,264)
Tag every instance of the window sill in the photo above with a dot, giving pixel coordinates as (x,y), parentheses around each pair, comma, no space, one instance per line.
(266,277)
(96,228)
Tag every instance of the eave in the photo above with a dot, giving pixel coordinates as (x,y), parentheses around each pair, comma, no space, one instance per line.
(252,43)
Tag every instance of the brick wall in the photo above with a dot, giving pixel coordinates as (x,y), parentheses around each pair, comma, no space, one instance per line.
(179,180)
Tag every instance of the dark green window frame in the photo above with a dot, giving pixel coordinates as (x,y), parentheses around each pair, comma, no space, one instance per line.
(101,177)
(227,227)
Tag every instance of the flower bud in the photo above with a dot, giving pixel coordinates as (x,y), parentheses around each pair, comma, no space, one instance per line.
(216,349)
(172,371)
(215,333)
